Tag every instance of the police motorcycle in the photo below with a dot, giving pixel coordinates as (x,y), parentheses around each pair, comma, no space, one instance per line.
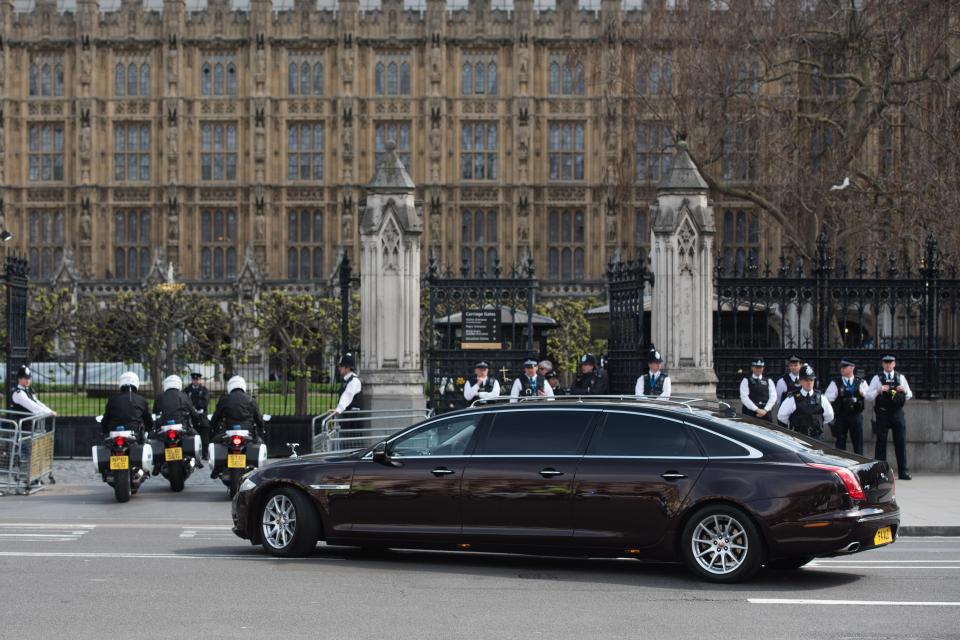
(237,449)
(236,455)
(176,453)
(121,461)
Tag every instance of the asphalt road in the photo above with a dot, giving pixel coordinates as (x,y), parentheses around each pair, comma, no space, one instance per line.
(75,564)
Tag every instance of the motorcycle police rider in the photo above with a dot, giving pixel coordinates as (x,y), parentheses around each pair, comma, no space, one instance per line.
(237,409)
(127,409)
(806,410)
(847,392)
(174,407)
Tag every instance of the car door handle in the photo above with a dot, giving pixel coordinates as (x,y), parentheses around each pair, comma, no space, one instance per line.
(673,475)
(550,473)
(442,471)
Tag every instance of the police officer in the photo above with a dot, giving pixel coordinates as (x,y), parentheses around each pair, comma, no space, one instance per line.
(481,385)
(655,382)
(758,394)
(351,388)
(889,391)
(553,380)
(847,393)
(23,397)
(127,408)
(591,381)
(200,398)
(806,410)
(789,381)
(174,407)
(530,384)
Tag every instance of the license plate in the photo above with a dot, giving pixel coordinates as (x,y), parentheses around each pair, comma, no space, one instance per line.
(883,536)
(236,460)
(173,454)
(118,463)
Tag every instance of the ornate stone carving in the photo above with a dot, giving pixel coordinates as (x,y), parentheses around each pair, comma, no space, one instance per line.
(308,194)
(128,194)
(45,195)
(482,194)
(390,245)
(86,230)
(578,194)
(686,246)
(214,194)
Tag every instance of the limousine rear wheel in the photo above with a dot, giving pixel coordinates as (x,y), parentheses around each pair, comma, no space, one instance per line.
(289,523)
(721,544)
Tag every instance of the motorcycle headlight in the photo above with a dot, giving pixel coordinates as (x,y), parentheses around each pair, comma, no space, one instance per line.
(247,484)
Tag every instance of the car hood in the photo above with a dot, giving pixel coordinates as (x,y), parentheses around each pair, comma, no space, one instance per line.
(328,456)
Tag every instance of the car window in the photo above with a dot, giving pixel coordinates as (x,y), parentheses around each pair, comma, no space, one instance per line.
(719,447)
(444,438)
(637,434)
(536,433)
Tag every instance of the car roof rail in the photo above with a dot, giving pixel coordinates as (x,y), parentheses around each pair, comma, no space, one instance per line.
(673,402)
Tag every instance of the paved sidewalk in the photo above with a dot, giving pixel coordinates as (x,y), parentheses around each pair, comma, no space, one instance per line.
(929,504)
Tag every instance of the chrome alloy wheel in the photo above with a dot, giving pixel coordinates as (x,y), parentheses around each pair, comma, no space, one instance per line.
(719,544)
(279,521)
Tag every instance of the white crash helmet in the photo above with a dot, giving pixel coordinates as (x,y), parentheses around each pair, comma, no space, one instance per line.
(129,379)
(172,382)
(236,382)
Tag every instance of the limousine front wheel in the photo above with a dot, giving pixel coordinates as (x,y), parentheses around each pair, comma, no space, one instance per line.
(289,525)
(721,544)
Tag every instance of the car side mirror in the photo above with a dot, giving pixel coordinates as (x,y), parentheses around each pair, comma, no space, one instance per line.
(380,454)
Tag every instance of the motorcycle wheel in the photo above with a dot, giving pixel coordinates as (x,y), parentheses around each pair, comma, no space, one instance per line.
(121,486)
(177,475)
(235,481)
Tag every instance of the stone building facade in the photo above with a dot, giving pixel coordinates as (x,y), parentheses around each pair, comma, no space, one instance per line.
(134,138)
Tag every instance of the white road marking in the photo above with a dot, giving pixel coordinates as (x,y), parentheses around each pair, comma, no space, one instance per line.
(144,556)
(864,603)
(207,533)
(22,532)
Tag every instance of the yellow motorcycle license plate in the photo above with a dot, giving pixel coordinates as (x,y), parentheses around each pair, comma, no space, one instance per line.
(173,454)
(236,460)
(883,536)
(118,463)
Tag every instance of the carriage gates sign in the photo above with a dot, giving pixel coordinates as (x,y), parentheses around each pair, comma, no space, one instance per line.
(481,329)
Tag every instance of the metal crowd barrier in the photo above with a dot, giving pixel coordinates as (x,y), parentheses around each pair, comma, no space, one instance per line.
(26,451)
(358,429)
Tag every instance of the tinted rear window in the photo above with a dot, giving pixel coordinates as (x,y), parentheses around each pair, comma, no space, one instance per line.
(634,434)
(536,433)
(718,447)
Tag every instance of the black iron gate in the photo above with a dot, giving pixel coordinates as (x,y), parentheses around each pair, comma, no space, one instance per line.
(837,308)
(449,364)
(629,338)
(15,276)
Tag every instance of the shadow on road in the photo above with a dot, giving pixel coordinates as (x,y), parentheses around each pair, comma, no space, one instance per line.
(627,571)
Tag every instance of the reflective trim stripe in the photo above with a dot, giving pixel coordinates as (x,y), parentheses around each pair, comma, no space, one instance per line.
(330,487)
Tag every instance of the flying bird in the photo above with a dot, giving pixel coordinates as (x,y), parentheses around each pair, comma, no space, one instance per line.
(843,185)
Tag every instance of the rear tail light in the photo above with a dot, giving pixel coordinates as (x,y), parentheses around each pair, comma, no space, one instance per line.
(847,476)
(237,441)
(120,441)
(172,435)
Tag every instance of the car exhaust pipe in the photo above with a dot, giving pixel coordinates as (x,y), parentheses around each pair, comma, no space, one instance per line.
(853,547)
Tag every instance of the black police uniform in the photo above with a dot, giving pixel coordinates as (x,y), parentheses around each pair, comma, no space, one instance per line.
(528,388)
(807,419)
(174,405)
(127,409)
(758,390)
(888,408)
(595,383)
(657,389)
(792,386)
(199,396)
(558,390)
(848,409)
(237,409)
